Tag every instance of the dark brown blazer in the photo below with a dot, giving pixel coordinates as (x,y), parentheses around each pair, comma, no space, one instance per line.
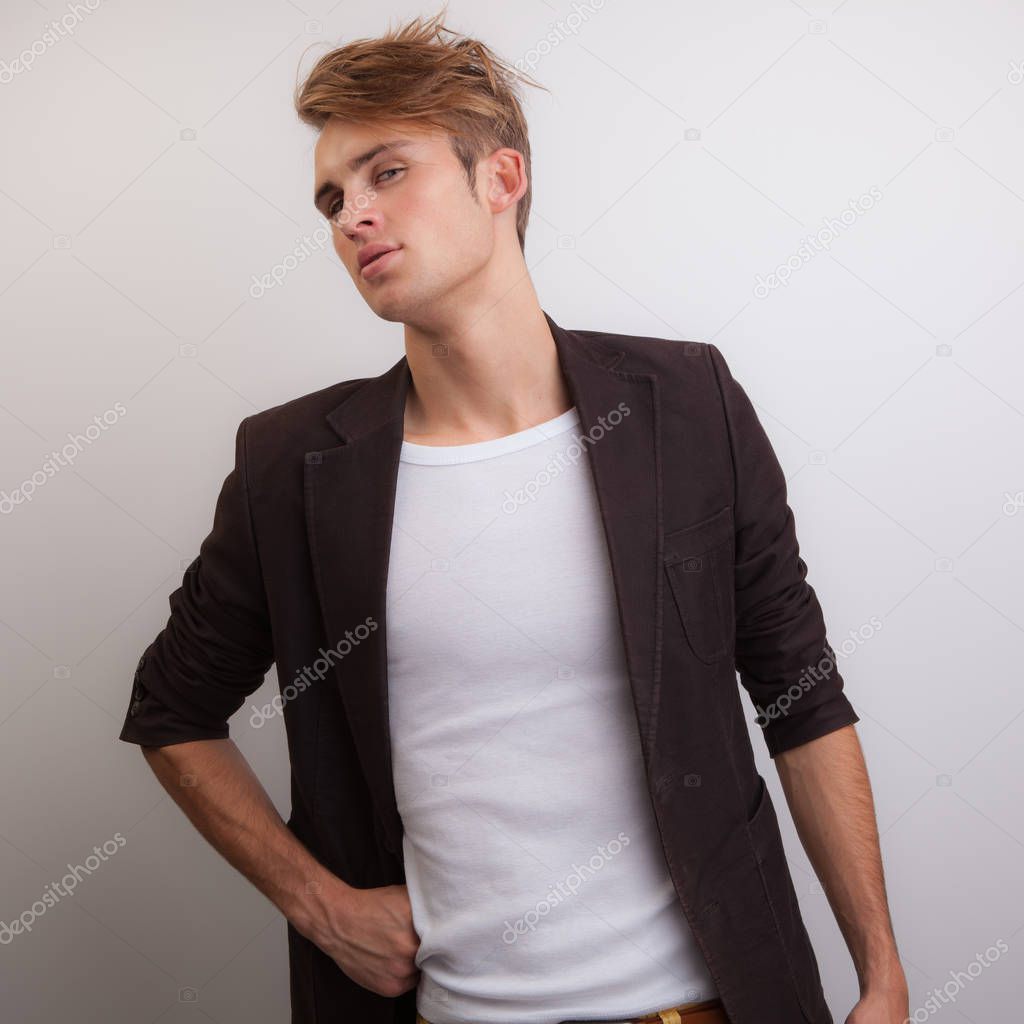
(708,580)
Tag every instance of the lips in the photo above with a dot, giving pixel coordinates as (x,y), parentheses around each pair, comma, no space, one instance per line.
(374,267)
(374,252)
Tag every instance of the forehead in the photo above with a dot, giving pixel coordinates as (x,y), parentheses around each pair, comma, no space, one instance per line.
(341,142)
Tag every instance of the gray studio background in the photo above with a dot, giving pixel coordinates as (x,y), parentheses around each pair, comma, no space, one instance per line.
(154,171)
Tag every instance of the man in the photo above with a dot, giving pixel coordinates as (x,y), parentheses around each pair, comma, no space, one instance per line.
(507,585)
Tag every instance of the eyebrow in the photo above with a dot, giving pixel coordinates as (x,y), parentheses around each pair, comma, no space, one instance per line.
(358,161)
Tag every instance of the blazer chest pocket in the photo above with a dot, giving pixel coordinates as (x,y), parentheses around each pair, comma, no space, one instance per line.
(699,562)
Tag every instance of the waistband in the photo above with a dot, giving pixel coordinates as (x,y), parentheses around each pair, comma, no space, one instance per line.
(710,1011)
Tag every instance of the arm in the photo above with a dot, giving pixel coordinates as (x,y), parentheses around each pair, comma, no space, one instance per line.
(785,662)
(213,783)
(367,932)
(214,651)
(791,675)
(827,788)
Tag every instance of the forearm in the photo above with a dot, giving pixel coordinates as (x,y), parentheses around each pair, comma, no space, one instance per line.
(213,783)
(829,794)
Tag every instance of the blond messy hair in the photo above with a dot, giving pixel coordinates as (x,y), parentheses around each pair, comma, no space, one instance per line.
(414,76)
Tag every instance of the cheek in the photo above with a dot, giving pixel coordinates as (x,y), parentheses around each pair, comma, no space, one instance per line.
(457,229)
(343,249)
(444,210)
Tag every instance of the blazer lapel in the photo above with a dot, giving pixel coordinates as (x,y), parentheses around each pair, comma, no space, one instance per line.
(349,500)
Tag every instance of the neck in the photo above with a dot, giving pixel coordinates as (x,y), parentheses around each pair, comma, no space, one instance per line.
(483,372)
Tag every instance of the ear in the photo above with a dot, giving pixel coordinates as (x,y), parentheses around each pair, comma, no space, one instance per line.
(506,178)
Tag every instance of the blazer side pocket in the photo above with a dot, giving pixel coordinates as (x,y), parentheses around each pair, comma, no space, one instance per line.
(777,881)
(699,562)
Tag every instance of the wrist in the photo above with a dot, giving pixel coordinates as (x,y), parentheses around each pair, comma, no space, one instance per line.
(320,905)
(883,972)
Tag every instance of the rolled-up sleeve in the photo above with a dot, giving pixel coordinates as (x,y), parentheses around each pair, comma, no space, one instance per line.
(217,646)
(785,663)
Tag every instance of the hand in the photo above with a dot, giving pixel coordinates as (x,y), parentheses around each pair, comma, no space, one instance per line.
(882,1005)
(371,937)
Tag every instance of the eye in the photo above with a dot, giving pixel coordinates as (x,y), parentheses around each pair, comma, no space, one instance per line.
(339,201)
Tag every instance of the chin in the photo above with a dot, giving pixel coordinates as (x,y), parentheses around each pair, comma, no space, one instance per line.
(387,309)
(399,303)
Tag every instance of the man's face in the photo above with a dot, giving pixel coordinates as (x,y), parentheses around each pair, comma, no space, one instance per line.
(413,197)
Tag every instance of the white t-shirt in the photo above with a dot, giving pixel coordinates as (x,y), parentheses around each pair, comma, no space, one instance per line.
(537,881)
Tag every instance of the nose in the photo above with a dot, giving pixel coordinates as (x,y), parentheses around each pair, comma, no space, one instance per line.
(358,226)
(357,219)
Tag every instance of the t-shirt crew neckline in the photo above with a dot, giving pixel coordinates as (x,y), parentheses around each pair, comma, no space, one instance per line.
(450,455)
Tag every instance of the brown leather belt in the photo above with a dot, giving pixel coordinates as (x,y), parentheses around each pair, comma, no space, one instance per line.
(710,1011)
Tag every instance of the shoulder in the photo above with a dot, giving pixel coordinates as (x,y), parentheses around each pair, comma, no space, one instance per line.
(273,441)
(699,361)
(307,410)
